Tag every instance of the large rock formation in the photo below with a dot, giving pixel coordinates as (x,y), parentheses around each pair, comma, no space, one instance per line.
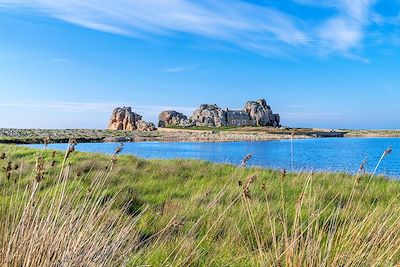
(209,115)
(123,119)
(261,113)
(172,118)
(144,126)
(127,120)
(258,112)
(276,120)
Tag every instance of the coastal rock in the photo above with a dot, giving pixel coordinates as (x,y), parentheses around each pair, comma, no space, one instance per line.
(276,119)
(261,113)
(172,118)
(123,119)
(209,116)
(144,126)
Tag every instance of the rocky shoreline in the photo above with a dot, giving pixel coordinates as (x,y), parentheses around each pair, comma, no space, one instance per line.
(373,133)
(36,136)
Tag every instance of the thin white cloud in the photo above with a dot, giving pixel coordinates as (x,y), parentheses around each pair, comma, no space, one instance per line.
(253,27)
(346,31)
(261,29)
(65,106)
(359,10)
(296,106)
(60,60)
(97,107)
(310,115)
(156,110)
(341,34)
(178,69)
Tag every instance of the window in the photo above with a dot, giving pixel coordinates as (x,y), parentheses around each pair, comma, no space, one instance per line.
(244,121)
(233,121)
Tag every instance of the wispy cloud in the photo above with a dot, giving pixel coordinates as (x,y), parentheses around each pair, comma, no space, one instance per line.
(307,113)
(156,110)
(253,27)
(65,106)
(296,106)
(148,112)
(346,31)
(178,69)
(311,115)
(262,29)
(60,60)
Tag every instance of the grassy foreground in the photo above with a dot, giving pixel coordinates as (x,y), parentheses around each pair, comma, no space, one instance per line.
(83,209)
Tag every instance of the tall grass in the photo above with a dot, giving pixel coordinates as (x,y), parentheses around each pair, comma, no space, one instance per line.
(128,211)
(64,226)
(333,235)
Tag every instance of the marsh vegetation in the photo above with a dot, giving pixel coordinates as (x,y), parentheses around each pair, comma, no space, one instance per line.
(73,209)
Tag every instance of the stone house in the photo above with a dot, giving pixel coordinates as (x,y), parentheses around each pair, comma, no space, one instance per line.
(254,113)
(238,118)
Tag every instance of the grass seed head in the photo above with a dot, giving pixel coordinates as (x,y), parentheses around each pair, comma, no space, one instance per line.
(388,151)
(71,147)
(246,188)
(118,149)
(39,168)
(361,170)
(362,166)
(113,160)
(283,173)
(9,168)
(46,141)
(246,159)
(263,186)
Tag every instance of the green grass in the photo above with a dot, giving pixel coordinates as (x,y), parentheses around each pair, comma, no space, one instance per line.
(195,212)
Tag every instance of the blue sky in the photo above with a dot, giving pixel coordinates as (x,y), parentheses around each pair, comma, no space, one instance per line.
(68,63)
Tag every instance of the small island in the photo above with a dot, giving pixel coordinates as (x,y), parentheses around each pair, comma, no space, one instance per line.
(208,123)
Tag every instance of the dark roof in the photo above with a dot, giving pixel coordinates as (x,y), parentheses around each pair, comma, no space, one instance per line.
(237,113)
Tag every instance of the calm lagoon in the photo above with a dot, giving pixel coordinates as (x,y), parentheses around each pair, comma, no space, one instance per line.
(329,154)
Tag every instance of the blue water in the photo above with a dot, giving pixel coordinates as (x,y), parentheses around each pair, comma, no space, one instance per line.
(329,154)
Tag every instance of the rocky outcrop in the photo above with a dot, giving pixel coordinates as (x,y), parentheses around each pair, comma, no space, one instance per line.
(209,116)
(126,120)
(255,113)
(144,126)
(172,118)
(261,113)
(276,120)
(123,119)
